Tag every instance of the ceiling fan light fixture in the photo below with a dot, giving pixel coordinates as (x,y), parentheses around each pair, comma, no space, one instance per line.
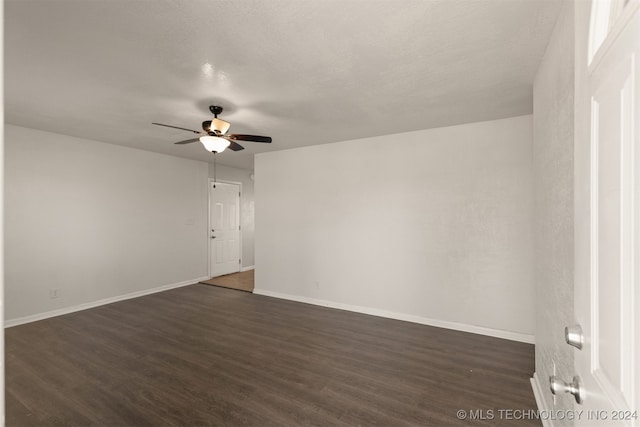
(220,125)
(214,136)
(214,144)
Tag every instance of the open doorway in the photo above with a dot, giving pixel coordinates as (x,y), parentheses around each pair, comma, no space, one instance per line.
(225,238)
(225,233)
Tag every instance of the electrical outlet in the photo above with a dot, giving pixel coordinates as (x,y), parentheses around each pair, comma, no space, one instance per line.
(54,293)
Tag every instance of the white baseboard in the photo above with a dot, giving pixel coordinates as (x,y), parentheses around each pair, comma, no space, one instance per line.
(59,312)
(542,405)
(251,267)
(514,336)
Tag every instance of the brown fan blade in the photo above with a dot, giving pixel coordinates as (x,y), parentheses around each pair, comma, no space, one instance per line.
(235,146)
(252,138)
(187,141)
(175,127)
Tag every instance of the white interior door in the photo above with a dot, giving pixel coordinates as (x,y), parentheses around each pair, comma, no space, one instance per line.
(607,233)
(224,230)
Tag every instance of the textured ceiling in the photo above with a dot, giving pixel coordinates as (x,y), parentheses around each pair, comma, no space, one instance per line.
(302,72)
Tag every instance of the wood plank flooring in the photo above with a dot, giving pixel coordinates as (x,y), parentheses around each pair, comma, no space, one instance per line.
(208,356)
(242,281)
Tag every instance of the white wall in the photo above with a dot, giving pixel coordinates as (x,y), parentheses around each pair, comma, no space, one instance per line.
(433,226)
(553,130)
(97,220)
(247,214)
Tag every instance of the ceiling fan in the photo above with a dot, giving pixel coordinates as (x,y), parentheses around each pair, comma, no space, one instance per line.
(214,135)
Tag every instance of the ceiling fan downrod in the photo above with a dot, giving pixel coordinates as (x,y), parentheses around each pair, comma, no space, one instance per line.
(215,110)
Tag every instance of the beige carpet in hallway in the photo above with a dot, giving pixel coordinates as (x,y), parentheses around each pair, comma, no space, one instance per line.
(242,281)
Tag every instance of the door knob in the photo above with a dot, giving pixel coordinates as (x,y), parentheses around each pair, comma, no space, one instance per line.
(573,336)
(574,387)
(213,237)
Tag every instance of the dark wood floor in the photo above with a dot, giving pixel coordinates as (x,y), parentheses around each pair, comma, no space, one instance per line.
(208,356)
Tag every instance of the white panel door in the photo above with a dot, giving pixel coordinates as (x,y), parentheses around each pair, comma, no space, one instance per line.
(224,232)
(608,225)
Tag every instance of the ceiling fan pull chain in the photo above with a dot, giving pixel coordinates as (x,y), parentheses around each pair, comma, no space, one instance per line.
(214,169)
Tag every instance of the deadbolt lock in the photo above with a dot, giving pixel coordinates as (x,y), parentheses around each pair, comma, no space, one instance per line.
(573,336)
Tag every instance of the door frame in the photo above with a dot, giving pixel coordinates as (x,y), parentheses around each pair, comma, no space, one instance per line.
(223,181)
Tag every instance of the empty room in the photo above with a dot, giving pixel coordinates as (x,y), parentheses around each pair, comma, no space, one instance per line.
(321,213)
